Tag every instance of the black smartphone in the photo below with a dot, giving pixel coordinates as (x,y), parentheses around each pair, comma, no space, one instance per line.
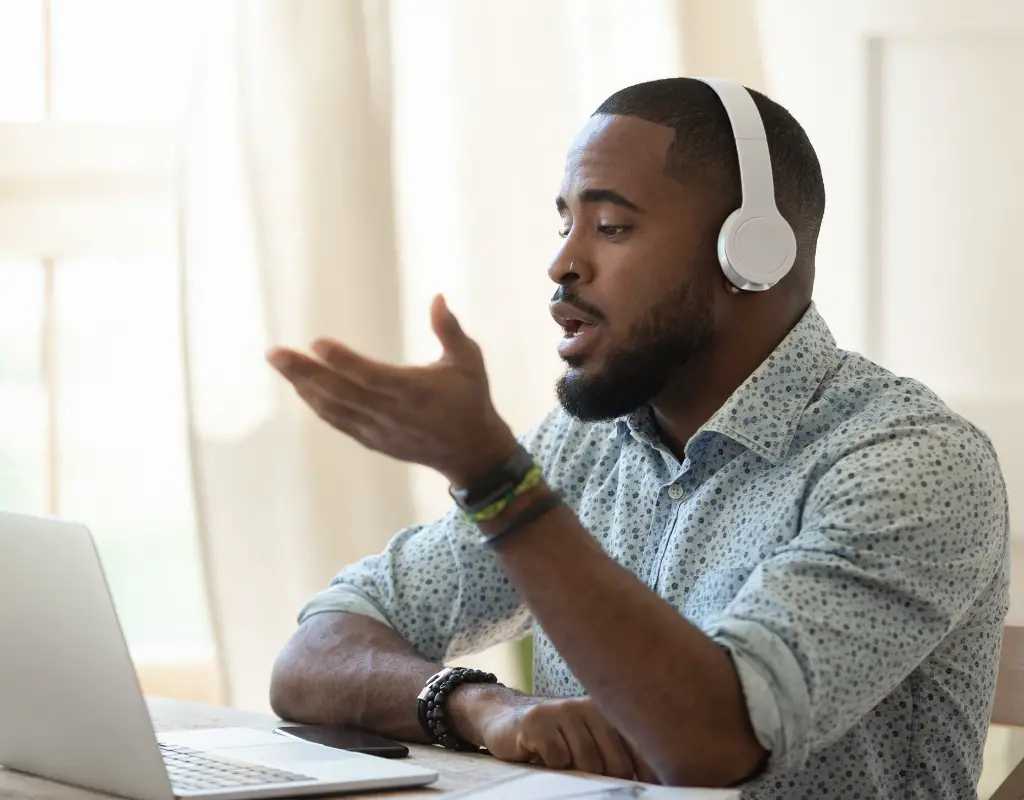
(343,737)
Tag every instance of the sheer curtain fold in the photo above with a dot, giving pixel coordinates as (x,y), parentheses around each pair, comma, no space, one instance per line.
(345,160)
(288,235)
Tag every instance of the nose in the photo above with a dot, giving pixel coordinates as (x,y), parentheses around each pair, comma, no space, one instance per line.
(568,267)
(562,271)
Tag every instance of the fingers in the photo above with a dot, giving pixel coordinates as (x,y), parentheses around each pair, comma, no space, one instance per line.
(373,375)
(615,758)
(338,389)
(571,733)
(642,768)
(347,420)
(585,754)
(291,364)
(550,747)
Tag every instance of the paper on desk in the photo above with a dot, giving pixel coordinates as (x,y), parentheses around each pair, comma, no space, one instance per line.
(553,786)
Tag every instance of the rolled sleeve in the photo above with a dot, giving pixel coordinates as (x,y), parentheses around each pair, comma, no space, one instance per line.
(341,597)
(774,690)
(899,538)
(435,585)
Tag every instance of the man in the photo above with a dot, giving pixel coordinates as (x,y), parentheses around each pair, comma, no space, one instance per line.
(772,563)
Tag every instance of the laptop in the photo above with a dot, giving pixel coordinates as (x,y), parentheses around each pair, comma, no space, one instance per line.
(71,709)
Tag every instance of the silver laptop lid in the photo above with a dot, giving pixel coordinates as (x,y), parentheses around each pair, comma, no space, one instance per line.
(70,702)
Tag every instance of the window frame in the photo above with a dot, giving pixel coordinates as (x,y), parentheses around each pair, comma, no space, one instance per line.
(78,189)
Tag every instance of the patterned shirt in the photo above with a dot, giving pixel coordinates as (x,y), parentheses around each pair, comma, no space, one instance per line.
(837,528)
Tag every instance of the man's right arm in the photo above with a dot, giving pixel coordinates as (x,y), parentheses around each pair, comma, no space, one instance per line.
(367,644)
(346,668)
(388,622)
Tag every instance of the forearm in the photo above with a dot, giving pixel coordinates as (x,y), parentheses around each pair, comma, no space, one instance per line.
(663,683)
(342,668)
(350,669)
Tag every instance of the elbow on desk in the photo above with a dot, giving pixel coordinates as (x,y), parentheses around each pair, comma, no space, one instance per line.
(733,761)
(282,691)
(290,692)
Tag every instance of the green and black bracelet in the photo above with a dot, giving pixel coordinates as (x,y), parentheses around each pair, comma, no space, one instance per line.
(531,513)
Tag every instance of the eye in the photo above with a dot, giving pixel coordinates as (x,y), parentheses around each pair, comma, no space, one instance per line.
(613,231)
(564,232)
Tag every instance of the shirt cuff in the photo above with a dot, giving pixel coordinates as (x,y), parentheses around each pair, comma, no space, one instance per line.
(341,597)
(774,689)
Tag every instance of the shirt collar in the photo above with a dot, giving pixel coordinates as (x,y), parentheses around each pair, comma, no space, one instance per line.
(763,413)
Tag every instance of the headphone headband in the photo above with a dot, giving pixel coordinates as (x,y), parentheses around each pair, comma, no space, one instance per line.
(756,246)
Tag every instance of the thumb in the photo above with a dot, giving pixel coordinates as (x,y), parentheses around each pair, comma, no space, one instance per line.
(457,345)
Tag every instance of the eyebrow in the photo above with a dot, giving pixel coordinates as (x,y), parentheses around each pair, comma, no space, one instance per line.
(600,196)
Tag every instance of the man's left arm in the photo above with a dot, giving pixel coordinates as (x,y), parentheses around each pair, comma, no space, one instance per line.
(668,688)
(880,538)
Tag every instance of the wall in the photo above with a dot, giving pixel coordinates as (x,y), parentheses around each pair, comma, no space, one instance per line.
(907,104)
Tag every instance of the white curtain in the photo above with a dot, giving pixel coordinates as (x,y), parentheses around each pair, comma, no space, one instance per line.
(345,160)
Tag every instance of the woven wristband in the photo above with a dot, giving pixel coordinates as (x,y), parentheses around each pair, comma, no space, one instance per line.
(531,513)
(530,481)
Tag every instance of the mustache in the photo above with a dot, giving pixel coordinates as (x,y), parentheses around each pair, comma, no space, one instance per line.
(567,295)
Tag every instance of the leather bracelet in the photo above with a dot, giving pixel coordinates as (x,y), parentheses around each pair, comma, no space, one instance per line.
(531,513)
(489,495)
(531,480)
(431,702)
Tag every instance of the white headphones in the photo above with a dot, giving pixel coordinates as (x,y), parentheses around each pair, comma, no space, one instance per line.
(756,246)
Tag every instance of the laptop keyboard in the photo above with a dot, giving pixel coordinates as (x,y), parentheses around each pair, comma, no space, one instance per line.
(192,771)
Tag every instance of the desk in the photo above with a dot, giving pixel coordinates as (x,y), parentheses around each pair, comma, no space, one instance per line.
(457,770)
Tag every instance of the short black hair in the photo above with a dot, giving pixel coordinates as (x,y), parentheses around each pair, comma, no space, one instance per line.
(704,148)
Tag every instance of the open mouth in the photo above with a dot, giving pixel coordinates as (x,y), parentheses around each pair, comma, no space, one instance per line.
(574,327)
(579,330)
(578,338)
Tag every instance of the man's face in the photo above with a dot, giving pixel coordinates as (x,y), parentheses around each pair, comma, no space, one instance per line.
(641,249)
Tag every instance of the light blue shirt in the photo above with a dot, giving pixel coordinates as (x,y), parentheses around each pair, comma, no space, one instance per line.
(837,528)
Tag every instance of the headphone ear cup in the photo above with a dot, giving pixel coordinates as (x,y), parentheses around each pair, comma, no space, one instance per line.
(724,235)
(756,252)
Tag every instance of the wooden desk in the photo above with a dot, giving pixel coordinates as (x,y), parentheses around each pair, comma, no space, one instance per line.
(457,770)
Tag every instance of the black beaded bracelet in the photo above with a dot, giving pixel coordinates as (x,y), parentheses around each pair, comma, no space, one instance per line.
(430,704)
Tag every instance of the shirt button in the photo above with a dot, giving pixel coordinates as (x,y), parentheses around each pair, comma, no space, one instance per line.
(675,491)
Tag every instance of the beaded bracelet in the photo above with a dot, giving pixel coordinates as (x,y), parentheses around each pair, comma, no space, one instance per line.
(431,701)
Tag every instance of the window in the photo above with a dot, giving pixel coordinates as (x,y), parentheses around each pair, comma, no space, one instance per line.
(92,393)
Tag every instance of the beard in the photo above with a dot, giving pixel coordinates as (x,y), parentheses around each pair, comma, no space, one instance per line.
(678,328)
